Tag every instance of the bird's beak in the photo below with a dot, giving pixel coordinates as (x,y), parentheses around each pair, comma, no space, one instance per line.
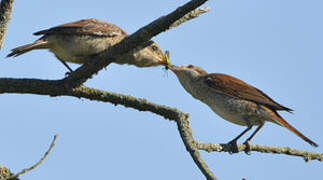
(174,68)
(160,60)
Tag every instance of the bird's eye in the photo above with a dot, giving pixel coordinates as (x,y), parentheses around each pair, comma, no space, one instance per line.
(154,48)
(190,66)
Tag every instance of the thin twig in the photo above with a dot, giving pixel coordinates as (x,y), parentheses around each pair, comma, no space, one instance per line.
(37,164)
(5,11)
(307,156)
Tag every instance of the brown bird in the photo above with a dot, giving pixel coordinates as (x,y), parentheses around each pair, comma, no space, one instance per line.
(77,41)
(234,101)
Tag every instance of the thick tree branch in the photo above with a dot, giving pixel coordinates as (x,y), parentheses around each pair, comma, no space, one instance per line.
(15,176)
(33,86)
(144,105)
(144,34)
(5,11)
(263,149)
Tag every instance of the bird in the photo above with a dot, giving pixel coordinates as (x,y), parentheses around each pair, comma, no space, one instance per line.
(77,41)
(234,100)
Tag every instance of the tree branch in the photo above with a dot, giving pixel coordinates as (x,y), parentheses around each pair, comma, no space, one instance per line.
(263,149)
(5,11)
(191,15)
(144,34)
(144,105)
(189,142)
(33,86)
(15,176)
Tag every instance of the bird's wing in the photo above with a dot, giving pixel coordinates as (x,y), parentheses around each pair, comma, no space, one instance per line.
(234,87)
(85,27)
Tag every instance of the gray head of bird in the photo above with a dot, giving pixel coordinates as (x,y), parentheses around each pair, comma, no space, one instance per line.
(187,71)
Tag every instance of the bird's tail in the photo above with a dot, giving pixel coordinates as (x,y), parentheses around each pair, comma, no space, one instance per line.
(39,44)
(279,120)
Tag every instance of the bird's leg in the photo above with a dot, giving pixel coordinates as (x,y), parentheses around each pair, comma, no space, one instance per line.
(66,65)
(247,142)
(233,143)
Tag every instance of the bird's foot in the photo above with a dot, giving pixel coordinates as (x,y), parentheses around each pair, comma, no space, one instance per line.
(67,73)
(233,147)
(247,149)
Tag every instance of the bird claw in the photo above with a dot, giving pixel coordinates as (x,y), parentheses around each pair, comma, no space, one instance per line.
(233,147)
(67,74)
(247,149)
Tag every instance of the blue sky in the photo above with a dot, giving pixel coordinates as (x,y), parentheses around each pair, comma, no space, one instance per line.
(273,45)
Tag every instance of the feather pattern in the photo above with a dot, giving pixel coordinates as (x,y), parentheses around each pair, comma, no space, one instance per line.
(85,27)
(236,88)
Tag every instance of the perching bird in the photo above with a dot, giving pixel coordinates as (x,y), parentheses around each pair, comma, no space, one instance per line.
(233,100)
(77,41)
